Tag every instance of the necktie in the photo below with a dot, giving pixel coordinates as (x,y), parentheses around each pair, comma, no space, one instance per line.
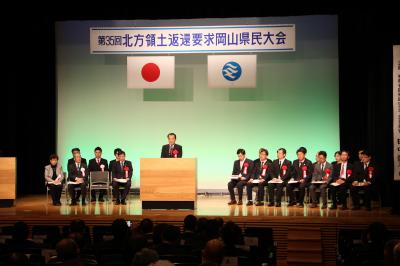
(78,166)
(342,170)
(322,167)
(122,165)
(365,166)
(280,164)
(98,161)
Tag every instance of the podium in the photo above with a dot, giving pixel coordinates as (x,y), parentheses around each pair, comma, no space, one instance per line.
(168,183)
(7,181)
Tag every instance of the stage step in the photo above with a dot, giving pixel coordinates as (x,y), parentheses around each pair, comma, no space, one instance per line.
(304,246)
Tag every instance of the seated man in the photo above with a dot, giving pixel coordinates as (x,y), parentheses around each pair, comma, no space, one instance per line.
(364,180)
(241,167)
(322,173)
(77,173)
(122,174)
(341,180)
(97,164)
(53,175)
(302,169)
(171,150)
(280,175)
(261,170)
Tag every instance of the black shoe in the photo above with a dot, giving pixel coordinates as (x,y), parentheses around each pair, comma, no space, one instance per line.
(73,203)
(57,203)
(101,200)
(83,203)
(278,204)
(232,202)
(291,204)
(249,203)
(271,204)
(93,200)
(333,207)
(123,202)
(260,203)
(240,202)
(324,206)
(117,202)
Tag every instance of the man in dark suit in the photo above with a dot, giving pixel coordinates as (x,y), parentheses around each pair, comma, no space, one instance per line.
(171,150)
(74,152)
(302,170)
(322,173)
(117,151)
(121,170)
(242,167)
(261,170)
(342,179)
(280,171)
(97,164)
(364,180)
(77,172)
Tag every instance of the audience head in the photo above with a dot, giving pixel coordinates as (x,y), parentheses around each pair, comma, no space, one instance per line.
(171,234)
(17,259)
(189,223)
(20,231)
(67,249)
(145,257)
(146,226)
(231,234)
(213,252)
(119,229)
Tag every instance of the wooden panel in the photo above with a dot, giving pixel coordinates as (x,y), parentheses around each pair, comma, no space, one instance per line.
(168,179)
(7,178)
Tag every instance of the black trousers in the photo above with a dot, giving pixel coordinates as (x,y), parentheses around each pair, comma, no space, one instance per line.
(93,193)
(271,190)
(322,189)
(239,185)
(55,192)
(120,194)
(74,195)
(260,191)
(339,192)
(302,191)
(355,195)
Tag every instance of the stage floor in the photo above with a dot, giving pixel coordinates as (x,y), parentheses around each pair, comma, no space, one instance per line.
(31,207)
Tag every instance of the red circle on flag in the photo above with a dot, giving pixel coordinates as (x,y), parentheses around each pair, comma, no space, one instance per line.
(150,72)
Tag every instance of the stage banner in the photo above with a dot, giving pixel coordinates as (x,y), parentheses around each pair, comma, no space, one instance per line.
(193,39)
(396,111)
(232,71)
(150,72)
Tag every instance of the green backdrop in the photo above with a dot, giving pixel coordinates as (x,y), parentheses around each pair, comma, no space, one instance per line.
(295,102)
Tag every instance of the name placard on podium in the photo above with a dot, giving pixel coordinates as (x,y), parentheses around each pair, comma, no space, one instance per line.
(168,183)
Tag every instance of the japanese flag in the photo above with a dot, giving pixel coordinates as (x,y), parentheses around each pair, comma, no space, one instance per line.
(232,71)
(156,72)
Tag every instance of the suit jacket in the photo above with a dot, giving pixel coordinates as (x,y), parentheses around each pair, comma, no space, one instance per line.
(118,172)
(297,172)
(362,174)
(48,173)
(73,172)
(276,171)
(93,166)
(72,161)
(165,151)
(258,169)
(336,172)
(237,170)
(319,174)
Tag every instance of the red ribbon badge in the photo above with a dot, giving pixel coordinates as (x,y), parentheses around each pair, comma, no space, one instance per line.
(265,168)
(175,153)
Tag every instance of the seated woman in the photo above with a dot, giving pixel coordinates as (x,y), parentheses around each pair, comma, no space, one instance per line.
(53,176)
